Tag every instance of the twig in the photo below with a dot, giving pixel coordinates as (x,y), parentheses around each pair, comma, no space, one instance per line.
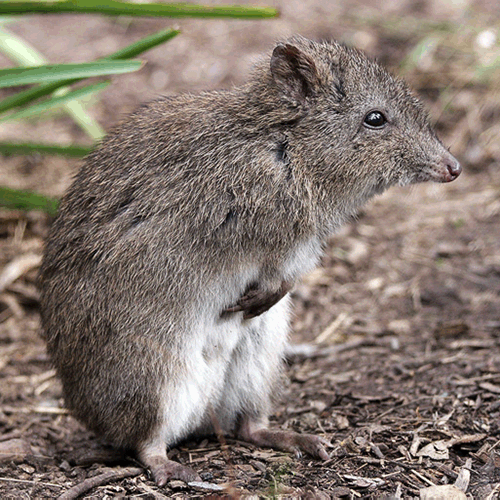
(423,478)
(150,491)
(26,481)
(33,379)
(447,471)
(92,482)
(10,435)
(494,492)
(36,409)
(16,268)
(331,328)
(295,352)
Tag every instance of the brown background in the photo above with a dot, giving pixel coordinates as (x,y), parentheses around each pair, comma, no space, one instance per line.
(408,294)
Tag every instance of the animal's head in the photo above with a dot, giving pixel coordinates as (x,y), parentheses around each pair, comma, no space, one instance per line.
(357,122)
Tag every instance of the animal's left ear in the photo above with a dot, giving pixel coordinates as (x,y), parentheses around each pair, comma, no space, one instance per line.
(294,72)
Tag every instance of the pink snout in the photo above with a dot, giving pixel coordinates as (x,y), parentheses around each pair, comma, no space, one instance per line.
(449,169)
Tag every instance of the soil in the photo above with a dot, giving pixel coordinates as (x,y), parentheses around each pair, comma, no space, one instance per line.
(395,353)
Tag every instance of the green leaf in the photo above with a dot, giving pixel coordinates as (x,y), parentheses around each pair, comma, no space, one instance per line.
(113,7)
(24,97)
(8,148)
(26,200)
(55,102)
(137,48)
(25,54)
(84,120)
(18,50)
(53,72)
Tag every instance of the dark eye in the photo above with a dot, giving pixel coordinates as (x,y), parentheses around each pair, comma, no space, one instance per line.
(375,119)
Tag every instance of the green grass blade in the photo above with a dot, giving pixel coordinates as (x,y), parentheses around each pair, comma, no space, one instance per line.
(26,200)
(24,97)
(137,48)
(27,96)
(8,148)
(113,7)
(52,72)
(18,50)
(55,102)
(85,121)
(27,55)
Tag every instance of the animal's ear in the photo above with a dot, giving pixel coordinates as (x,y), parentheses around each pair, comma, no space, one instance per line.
(294,72)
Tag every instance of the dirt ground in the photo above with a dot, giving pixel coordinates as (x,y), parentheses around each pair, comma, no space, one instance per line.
(395,352)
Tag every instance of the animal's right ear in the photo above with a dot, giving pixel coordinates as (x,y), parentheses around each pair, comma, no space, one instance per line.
(294,72)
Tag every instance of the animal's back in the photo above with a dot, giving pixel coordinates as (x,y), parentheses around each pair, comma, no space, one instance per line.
(156,236)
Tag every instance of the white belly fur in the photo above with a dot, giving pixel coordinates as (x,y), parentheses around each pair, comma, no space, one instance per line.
(230,365)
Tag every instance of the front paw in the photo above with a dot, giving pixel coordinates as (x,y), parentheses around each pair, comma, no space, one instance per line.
(256,301)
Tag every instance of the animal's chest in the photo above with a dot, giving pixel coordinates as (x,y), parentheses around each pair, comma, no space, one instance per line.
(228,358)
(224,333)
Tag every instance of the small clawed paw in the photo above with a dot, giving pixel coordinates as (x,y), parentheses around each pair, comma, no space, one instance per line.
(314,446)
(171,470)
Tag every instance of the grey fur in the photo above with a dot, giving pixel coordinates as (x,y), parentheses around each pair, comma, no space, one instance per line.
(179,206)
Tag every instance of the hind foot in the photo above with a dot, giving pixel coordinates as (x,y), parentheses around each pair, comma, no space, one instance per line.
(257,433)
(163,469)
